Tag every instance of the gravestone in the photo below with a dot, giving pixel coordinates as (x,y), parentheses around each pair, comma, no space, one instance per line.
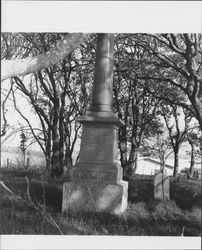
(97,183)
(161,187)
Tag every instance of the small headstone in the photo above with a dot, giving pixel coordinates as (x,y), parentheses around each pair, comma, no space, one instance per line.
(157,171)
(161,187)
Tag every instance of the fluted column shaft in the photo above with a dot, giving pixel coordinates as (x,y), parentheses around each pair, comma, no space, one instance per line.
(103,83)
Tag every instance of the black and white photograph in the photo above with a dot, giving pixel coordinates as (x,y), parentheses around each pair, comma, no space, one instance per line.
(101,126)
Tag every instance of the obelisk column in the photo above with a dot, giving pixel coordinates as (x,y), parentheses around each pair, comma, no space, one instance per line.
(97,183)
(103,80)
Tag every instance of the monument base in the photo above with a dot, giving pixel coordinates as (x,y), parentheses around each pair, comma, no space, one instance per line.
(97,184)
(109,198)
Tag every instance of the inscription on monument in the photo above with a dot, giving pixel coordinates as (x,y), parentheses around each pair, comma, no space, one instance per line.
(94,175)
(98,144)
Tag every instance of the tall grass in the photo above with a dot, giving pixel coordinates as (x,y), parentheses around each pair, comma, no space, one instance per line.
(144,215)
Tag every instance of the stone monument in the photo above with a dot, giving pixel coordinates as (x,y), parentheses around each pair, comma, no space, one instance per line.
(161,187)
(97,183)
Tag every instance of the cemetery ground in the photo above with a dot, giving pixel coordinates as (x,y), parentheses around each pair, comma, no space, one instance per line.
(32,205)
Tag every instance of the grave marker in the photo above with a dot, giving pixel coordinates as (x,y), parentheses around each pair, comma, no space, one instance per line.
(97,183)
(161,187)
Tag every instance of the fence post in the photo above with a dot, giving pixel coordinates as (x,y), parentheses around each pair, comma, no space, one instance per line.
(7,163)
(28,161)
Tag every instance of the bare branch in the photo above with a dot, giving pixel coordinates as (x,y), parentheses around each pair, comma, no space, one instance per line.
(3,131)
(11,68)
(30,126)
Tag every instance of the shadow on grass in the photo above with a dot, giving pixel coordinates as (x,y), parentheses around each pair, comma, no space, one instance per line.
(49,194)
(44,193)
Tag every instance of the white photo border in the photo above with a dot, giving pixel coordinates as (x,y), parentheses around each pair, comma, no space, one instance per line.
(90,17)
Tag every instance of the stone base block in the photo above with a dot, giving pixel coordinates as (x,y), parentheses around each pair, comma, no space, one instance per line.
(109,198)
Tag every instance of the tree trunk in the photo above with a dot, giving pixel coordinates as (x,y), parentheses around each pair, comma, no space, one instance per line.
(56,168)
(192,159)
(198,111)
(48,149)
(162,161)
(123,156)
(123,148)
(133,161)
(48,162)
(61,143)
(68,151)
(197,101)
(176,162)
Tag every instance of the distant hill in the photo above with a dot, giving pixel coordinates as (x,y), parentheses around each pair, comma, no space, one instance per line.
(16,150)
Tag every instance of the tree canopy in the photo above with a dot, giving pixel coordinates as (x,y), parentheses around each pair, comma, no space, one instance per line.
(155,75)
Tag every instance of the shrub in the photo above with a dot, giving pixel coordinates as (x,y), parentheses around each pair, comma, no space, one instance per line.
(186,193)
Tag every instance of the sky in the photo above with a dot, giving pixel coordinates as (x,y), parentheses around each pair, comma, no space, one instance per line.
(14,119)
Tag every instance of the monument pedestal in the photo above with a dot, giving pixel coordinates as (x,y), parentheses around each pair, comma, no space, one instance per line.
(95,197)
(97,183)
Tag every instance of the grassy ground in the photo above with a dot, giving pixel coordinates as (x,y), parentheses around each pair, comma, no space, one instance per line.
(144,215)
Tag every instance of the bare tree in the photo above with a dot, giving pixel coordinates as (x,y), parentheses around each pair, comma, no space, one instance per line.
(176,61)
(5,125)
(132,103)
(177,131)
(194,139)
(158,145)
(57,95)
